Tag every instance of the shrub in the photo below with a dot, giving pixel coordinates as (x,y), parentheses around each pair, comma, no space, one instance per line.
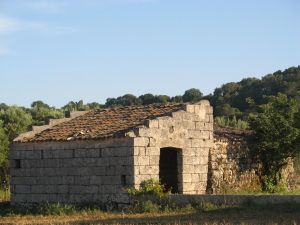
(149,187)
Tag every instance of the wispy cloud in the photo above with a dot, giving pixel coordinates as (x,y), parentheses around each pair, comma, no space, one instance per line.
(47,5)
(4,51)
(11,25)
(8,24)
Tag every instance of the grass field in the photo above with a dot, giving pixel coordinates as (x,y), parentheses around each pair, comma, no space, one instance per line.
(209,214)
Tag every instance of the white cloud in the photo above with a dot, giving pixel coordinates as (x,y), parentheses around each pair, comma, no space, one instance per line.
(10,25)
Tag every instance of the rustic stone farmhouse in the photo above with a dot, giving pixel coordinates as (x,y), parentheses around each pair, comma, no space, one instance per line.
(92,156)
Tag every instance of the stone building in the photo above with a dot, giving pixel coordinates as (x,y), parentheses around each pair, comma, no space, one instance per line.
(92,156)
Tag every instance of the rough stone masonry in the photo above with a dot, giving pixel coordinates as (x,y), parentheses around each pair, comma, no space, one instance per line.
(93,156)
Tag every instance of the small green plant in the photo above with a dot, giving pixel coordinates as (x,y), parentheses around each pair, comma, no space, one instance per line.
(56,209)
(4,195)
(269,186)
(149,187)
(232,122)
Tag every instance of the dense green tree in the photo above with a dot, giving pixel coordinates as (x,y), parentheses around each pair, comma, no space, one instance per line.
(147,99)
(177,99)
(236,94)
(94,105)
(162,99)
(3,157)
(192,95)
(125,100)
(276,136)
(128,100)
(3,145)
(15,120)
(39,104)
(75,106)
(41,113)
(3,106)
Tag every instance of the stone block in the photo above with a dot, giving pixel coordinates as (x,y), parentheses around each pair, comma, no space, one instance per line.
(141,151)
(152,142)
(201,169)
(152,123)
(23,180)
(38,189)
(90,162)
(93,153)
(195,134)
(13,154)
(101,162)
(188,188)
(208,126)
(144,132)
(202,160)
(107,152)
(143,160)
(178,115)
(141,141)
(109,170)
(189,108)
(149,170)
(187,177)
(165,122)
(188,168)
(67,180)
(200,125)
(152,151)
(197,142)
(107,189)
(125,170)
(22,189)
(96,180)
(203,177)
(82,180)
(80,153)
(188,160)
(122,151)
(195,178)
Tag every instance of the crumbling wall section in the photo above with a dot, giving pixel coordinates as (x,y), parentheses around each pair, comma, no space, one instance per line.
(232,166)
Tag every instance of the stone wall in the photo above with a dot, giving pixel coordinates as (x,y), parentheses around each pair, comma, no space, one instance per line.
(232,167)
(190,131)
(71,172)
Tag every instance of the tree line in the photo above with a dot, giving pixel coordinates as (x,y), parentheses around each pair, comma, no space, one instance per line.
(235,104)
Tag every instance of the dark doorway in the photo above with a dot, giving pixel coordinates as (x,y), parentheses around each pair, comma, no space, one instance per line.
(168,168)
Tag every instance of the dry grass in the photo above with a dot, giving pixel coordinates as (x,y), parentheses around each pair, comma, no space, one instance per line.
(252,214)
(4,195)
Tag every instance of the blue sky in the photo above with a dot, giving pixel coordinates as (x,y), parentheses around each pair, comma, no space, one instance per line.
(63,50)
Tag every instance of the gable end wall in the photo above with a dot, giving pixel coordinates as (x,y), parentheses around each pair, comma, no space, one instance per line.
(190,130)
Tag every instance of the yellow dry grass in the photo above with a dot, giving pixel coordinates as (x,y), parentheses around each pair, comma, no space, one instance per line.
(222,216)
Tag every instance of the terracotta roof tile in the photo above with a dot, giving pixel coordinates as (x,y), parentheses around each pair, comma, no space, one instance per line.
(104,123)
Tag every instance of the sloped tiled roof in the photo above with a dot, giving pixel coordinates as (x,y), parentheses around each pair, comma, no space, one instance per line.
(104,123)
